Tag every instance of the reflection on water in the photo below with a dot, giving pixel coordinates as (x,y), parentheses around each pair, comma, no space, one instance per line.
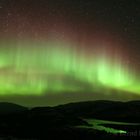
(99,125)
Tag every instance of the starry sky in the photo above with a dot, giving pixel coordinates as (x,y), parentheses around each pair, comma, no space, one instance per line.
(58,51)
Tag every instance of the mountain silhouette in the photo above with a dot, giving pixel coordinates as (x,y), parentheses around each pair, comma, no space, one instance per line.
(6,108)
(61,121)
(101,109)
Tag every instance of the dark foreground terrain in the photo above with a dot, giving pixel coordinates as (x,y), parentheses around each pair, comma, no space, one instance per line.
(69,121)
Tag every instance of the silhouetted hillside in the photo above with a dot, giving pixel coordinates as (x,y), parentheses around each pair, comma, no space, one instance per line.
(62,121)
(112,110)
(6,108)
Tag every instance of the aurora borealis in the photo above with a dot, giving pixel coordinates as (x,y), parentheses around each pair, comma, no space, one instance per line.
(35,71)
(80,52)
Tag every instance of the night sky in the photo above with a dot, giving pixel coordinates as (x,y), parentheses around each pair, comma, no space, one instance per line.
(58,51)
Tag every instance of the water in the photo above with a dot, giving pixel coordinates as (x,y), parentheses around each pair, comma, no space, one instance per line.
(99,125)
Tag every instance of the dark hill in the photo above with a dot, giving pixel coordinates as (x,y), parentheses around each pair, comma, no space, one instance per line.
(6,108)
(61,121)
(110,110)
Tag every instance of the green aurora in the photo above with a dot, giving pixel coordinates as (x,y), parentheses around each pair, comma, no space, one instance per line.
(36,68)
